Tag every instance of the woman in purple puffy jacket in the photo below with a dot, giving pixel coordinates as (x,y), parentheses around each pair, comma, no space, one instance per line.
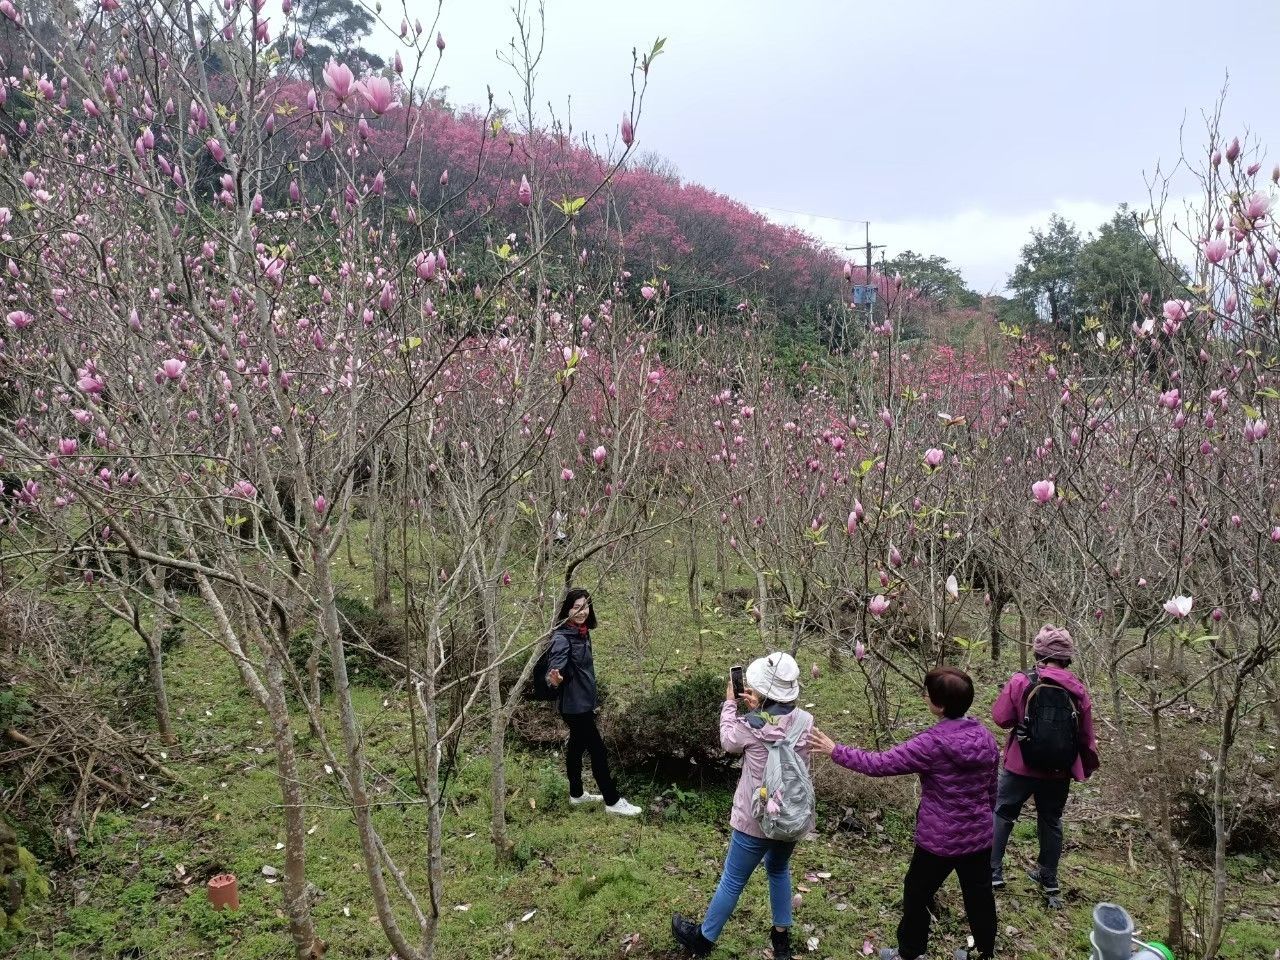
(956,760)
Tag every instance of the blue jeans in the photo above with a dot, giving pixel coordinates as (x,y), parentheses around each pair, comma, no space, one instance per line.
(745,854)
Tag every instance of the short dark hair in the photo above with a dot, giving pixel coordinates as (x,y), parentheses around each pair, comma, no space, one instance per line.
(950,689)
(570,598)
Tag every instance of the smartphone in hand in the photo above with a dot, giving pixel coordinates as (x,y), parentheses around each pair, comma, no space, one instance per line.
(735,674)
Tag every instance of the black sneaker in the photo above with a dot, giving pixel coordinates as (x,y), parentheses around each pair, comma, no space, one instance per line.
(1052,892)
(781,940)
(997,880)
(689,935)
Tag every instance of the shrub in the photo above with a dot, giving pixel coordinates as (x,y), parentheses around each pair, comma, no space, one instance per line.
(673,732)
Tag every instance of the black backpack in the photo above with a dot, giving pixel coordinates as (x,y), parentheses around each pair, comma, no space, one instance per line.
(541,690)
(1049,734)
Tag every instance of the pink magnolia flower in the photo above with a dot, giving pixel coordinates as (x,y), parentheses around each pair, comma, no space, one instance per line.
(1043,490)
(19,319)
(339,78)
(851,525)
(426,266)
(299,48)
(1257,206)
(242,489)
(1215,251)
(440,41)
(173,368)
(10,11)
(1255,430)
(628,131)
(860,649)
(67,446)
(953,587)
(90,384)
(877,605)
(933,457)
(1233,150)
(377,91)
(1176,311)
(320,504)
(566,474)
(1275,534)
(525,192)
(598,455)
(214,147)
(648,292)
(1179,606)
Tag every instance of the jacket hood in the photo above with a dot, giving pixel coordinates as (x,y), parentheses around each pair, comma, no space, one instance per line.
(1064,678)
(773,732)
(966,741)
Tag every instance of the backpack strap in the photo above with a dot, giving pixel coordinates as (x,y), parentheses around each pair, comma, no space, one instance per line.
(799,725)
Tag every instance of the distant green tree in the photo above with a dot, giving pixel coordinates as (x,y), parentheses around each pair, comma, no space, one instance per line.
(1117,267)
(934,277)
(330,29)
(1046,278)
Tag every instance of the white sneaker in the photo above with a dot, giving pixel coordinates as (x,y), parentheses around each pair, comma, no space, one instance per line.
(624,808)
(585,798)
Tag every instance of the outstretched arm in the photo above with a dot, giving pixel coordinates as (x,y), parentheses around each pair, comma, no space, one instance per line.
(914,756)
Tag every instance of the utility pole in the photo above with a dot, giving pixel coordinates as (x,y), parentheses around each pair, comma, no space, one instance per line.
(867,293)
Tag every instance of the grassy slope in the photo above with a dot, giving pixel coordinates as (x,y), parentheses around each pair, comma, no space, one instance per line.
(593,880)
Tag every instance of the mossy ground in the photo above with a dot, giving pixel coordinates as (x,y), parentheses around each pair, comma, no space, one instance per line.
(581,884)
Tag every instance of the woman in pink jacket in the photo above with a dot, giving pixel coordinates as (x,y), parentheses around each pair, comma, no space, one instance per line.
(1021,779)
(773,686)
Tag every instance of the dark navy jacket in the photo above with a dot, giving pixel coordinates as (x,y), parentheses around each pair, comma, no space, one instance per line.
(571,655)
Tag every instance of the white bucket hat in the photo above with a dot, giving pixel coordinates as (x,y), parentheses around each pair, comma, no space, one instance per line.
(775,677)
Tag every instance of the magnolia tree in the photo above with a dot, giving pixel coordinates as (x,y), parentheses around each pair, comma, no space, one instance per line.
(223,339)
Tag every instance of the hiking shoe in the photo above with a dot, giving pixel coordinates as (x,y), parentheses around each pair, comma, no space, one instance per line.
(623,808)
(585,798)
(1052,892)
(997,880)
(781,941)
(689,935)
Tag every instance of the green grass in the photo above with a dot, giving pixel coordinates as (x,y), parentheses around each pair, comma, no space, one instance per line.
(589,881)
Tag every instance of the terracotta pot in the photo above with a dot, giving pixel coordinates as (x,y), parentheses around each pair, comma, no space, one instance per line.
(223,893)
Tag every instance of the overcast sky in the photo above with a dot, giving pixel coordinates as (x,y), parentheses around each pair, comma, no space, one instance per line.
(954,126)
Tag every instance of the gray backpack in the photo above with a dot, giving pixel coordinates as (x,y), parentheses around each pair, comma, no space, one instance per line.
(784,802)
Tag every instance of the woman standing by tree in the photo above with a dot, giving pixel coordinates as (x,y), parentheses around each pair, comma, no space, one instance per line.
(573,673)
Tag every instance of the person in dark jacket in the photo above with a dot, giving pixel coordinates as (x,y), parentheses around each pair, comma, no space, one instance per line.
(573,672)
(956,760)
(1019,781)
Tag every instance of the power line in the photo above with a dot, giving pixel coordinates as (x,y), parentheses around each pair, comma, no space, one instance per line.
(805,213)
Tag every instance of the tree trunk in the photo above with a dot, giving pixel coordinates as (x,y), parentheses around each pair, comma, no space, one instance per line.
(379,553)
(502,844)
(270,696)
(1166,844)
(155,664)
(353,744)
(997,612)
(762,607)
(695,593)
(640,600)
(1022,638)
(297,899)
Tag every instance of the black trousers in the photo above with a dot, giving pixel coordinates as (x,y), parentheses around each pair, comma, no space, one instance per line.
(925,876)
(584,737)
